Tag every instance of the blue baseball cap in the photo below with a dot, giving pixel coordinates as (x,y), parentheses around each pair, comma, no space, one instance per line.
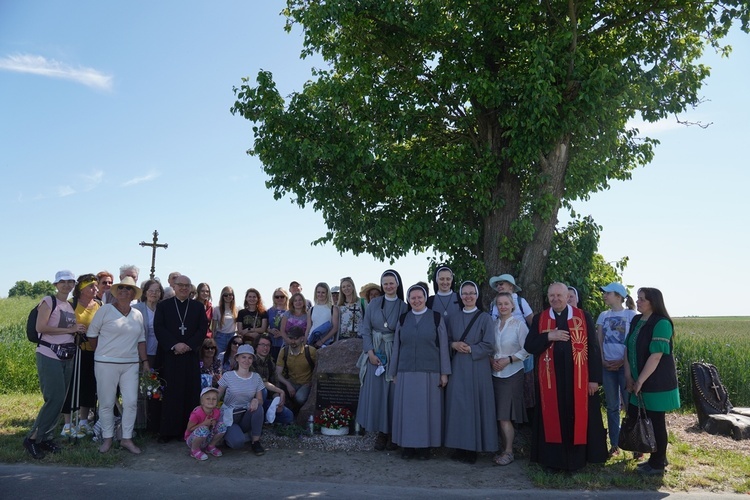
(617,288)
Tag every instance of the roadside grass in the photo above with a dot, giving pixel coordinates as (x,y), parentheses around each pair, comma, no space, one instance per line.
(17,414)
(690,468)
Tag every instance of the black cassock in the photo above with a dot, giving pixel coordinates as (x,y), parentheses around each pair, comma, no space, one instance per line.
(181,372)
(566,455)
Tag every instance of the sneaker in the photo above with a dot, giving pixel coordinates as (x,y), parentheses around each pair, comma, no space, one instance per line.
(65,432)
(614,451)
(198,455)
(86,429)
(637,455)
(33,448)
(257,448)
(50,446)
(77,433)
(213,450)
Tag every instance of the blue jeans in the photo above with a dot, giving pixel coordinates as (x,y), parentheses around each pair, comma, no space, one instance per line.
(222,340)
(615,399)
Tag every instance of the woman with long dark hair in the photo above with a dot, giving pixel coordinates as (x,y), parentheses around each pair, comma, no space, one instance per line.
(650,371)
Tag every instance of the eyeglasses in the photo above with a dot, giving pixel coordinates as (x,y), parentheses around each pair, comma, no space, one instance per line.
(279,297)
(107,283)
(237,343)
(125,288)
(182,284)
(209,348)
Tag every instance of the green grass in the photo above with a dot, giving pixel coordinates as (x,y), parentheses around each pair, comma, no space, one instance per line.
(17,414)
(17,359)
(689,468)
(721,341)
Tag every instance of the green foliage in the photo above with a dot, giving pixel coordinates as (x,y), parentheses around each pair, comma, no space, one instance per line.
(462,127)
(573,260)
(26,289)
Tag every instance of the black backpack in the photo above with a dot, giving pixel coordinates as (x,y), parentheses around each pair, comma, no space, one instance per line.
(31,332)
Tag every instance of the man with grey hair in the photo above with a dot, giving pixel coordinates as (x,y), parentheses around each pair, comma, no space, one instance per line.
(180,326)
(567,430)
(169,291)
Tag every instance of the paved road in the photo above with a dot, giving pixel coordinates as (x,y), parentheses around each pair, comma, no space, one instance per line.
(24,481)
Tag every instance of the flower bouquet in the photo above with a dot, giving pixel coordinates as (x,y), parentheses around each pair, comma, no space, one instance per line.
(334,420)
(150,385)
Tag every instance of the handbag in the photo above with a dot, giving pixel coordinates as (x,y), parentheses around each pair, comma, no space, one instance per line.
(637,434)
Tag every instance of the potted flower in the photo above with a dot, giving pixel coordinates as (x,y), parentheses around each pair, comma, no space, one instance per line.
(334,421)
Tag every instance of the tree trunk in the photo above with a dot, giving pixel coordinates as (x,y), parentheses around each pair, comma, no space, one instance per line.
(535,256)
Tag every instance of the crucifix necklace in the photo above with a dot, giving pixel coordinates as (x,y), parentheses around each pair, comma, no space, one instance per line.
(182,328)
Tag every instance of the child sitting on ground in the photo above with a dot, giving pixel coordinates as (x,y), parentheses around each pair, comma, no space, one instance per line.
(205,428)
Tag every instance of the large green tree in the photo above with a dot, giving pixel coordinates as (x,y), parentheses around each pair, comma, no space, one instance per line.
(462,127)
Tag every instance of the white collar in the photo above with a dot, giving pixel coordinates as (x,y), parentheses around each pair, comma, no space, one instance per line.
(552,312)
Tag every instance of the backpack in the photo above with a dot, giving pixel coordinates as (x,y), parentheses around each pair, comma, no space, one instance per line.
(31,332)
(306,348)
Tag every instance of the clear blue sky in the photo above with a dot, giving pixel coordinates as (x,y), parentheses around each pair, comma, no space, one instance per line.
(114,121)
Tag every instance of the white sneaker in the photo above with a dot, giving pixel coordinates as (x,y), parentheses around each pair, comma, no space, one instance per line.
(65,432)
(77,433)
(86,429)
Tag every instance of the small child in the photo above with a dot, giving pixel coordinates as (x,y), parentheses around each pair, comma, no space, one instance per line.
(205,428)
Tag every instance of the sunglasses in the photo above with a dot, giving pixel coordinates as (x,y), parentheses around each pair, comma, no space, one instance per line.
(125,287)
(209,348)
(228,295)
(278,297)
(237,343)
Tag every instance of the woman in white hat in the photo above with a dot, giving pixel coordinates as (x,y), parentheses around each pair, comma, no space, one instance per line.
(56,326)
(119,340)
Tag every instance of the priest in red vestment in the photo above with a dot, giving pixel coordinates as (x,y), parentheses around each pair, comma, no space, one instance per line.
(567,430)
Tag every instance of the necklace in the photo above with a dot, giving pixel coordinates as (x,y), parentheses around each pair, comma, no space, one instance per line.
(444,304)
(182,328)
(387,314)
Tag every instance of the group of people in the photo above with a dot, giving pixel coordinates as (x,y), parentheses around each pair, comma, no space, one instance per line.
(438,371)
(435,369)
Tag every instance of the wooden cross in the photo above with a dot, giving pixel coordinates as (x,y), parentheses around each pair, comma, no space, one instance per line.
(153,246)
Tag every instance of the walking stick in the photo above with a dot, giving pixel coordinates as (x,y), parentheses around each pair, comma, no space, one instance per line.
(76,389)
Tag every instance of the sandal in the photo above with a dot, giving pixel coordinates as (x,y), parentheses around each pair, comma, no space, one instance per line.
(198,455)
(504,459)
(213,450)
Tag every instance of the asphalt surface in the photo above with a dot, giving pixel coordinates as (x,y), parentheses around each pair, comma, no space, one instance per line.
(22,481)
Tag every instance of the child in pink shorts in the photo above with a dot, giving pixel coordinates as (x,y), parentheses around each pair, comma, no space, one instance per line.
(205,428)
